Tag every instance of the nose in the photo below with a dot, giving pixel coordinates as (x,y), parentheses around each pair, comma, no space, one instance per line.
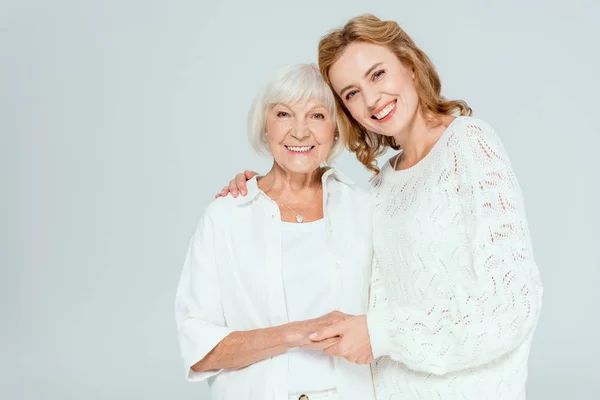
(371,98)
(300,130)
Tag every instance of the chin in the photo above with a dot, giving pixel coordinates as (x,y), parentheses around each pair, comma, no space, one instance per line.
(300,169)
(383,132)
(392,129)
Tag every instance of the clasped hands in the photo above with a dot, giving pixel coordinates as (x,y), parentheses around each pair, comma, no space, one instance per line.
(337,334)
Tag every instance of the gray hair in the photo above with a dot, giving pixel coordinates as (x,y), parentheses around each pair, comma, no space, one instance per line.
(289,85)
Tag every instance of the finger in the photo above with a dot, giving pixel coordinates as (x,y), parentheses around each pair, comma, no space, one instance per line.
(240,182)
(333,343)
(232,185)
(326,333)
(340,316)
(365,360)
(231,188)
(222,193)
(332,350)
(362,360)
(321,345)
(250,174)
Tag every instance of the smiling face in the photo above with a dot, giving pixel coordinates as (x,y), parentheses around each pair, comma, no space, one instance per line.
(300,135)
(376,88)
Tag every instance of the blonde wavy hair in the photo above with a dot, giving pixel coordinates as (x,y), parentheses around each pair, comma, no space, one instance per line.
(369,29)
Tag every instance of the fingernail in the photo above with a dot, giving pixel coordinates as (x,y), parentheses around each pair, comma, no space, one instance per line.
(243,192)
(313,335)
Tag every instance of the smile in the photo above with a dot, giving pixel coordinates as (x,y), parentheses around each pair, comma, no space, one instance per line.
(299,149)
(387,111)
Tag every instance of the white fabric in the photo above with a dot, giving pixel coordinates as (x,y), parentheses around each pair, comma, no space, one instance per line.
(456,293)
(308,295)
(330,394)
(232,280)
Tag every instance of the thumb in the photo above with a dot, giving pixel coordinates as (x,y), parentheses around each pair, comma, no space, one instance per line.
(326,333)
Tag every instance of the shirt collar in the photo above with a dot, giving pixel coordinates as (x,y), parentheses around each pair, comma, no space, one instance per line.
(329,174)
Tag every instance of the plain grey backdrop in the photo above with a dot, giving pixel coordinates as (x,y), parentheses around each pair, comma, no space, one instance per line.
(119,120)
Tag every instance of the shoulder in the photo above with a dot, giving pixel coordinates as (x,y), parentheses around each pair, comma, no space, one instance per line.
(479,140)
(475,131)
(338,182)
(353,198)
(479,149)
(223,207)
(219,210)
(364,197)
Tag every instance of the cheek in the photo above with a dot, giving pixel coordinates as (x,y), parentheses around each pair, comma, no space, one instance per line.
(276,130)
(356,110)
(408,90)
(412,98)
(325,135)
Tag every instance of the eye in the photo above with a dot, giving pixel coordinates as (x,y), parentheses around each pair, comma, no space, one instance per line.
(319,116)
(378,74)
(282,114)
(351,94)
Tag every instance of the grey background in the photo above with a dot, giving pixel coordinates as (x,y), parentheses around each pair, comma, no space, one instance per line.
(119,120)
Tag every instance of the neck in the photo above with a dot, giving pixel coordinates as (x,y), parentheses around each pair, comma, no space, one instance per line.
(420,135)
(282,179)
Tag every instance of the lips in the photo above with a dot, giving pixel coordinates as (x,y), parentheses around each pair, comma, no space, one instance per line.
(300,149)
(385,111)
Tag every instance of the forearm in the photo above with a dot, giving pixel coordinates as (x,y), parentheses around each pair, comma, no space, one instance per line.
(243,348)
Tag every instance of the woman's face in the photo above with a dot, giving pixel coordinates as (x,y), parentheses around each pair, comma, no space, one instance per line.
(300,135)
(375,87)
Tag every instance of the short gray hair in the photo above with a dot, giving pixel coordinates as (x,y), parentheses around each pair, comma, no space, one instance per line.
(289,85)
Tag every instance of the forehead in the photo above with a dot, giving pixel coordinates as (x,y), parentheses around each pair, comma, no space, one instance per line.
(356,60)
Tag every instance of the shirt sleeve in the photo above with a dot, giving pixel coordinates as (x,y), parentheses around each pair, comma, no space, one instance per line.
(198,309)
(479,321)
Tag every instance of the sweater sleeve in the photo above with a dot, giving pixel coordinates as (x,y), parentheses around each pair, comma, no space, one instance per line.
(198,310)
(476,322)
(377,295)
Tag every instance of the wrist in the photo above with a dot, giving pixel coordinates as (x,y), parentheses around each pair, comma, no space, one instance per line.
(290,335)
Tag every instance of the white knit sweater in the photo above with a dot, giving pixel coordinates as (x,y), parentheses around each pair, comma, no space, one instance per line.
(456,292)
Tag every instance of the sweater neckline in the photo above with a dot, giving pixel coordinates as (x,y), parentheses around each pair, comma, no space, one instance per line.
(402,174)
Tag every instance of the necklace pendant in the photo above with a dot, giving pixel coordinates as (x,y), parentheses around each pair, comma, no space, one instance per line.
(299,218)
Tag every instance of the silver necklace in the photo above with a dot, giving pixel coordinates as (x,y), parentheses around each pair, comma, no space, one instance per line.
(299,216)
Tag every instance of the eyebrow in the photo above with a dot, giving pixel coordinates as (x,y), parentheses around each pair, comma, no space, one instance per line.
(366,74)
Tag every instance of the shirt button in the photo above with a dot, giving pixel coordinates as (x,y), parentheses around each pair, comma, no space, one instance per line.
(337,265)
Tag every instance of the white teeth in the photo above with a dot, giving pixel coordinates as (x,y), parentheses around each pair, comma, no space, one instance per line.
(383,113)
(302,149)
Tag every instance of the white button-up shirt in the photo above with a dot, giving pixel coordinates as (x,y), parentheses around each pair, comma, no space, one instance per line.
(232,281)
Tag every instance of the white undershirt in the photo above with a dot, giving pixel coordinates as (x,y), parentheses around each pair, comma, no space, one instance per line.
(306,282)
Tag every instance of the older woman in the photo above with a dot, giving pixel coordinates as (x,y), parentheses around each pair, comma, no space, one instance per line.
(263,271)
(456,293)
